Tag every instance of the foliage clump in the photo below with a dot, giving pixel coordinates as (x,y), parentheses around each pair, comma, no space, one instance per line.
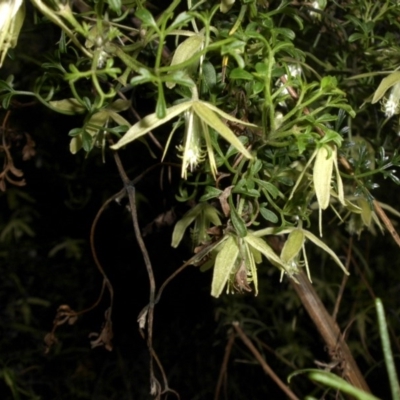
(276,123)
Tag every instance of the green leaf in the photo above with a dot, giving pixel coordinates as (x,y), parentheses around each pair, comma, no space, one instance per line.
(239,73)
(183,224)
(328,83)
(87,141)
(186,50)
(119,105)
(269,187)
(387,351)
(236,220)
(181,19)
(211,192)
(356,36)
(68,106)
(251,265)
(161,106)
(144,75)
(262,68)
(285,32)
(255,167)
(5,102)
(118,119)
(209,76)
(335,382)
(224,264)
(292,246)
(146,17)
(226,5)
(211,214)
(178,77)
(115,5)
(386,84)
(96,122)
(268,215)
(4,86)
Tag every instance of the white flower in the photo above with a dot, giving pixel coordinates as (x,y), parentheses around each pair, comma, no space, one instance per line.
(317,5)
(391,105)
(199,116)
(193,154)
(12,14)
(294,70)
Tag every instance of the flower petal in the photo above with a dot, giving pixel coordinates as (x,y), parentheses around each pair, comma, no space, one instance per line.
(322,176)
(206,112)
(260,245)
(149,123)
(292,246)
(224,263)
(327,249)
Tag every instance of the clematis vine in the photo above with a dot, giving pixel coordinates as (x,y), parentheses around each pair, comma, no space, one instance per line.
(199,116)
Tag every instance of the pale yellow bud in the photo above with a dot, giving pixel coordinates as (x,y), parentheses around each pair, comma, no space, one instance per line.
(322,175)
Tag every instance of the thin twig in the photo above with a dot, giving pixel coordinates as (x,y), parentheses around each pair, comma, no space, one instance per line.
(385,219)
(329,330)
(344,280)
(131,192)
(224,365)
(197,257)
(267,369)
(277,355)
(106,281)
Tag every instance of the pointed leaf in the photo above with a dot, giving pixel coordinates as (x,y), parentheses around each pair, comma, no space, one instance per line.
(186,50)
(227,116)
(292,245)
(339,182)
(260,245)
(327,249)
(206,113)
(237,222)
(328,379)
(252,266)
(97,121)
(240,73)
(268,215)
(386,84)
(183,224)
(120,120)
(224,264)
(180,20)
(366,212)
(146,17)
(226,5)
(161,106)
(149,123)
(212,215)
(68,106)
(119,105)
